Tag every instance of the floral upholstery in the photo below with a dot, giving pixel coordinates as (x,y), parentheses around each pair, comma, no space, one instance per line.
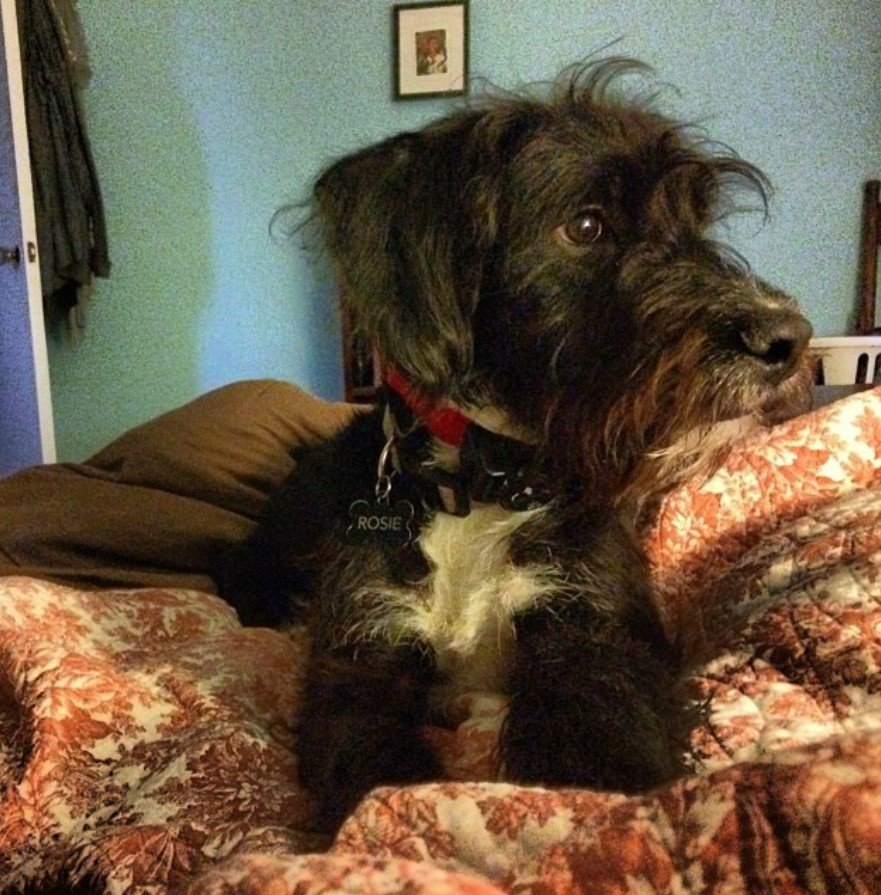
(147,740)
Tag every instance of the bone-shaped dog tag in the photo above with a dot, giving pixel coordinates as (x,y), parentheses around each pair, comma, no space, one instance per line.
(379,521)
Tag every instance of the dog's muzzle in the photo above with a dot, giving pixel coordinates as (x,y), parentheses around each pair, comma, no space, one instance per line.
(774,340)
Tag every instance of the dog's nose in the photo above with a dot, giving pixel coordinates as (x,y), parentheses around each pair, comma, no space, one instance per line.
(776,338)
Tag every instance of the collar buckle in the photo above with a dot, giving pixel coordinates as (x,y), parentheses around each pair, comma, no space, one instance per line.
(496,468)
(493,468)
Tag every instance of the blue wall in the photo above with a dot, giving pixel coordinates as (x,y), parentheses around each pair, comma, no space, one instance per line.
(204,116)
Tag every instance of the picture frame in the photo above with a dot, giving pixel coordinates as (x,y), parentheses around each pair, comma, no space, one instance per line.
(431,49)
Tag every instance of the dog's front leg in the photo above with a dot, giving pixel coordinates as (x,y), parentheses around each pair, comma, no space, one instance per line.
(360,725)
(591,701)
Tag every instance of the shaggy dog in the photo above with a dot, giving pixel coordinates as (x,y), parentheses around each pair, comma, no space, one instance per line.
(562,341)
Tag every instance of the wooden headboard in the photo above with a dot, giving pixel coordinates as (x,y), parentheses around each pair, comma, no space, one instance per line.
(869,245)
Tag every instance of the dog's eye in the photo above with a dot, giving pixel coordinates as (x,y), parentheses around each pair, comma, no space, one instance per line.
(584,228)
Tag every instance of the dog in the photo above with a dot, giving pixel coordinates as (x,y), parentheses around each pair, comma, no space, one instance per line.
(562,341)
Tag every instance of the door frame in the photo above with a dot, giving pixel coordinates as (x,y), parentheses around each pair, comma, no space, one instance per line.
(29,249)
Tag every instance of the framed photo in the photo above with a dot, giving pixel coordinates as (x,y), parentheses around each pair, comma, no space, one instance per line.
(431,49)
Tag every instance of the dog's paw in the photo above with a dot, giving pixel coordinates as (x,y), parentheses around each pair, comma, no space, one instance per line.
(340,762)
(629,753)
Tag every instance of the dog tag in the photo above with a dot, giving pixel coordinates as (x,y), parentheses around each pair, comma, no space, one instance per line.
(380,521)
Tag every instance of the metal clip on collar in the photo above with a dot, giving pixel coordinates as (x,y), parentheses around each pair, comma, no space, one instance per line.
(383,479)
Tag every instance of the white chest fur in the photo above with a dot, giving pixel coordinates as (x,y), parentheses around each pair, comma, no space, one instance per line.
(465,606)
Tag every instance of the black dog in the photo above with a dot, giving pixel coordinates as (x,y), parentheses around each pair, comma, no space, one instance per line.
(562,341)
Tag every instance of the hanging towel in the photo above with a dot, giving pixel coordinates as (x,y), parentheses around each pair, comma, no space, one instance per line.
(71,230)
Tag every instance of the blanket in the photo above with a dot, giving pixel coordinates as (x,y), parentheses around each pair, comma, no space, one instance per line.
(147,740)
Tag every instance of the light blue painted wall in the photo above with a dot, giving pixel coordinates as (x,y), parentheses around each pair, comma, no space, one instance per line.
(205,115)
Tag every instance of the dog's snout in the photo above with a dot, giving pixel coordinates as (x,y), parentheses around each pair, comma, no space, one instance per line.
(776,338)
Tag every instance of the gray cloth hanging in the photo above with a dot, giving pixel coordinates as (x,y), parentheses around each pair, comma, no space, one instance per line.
(71,230)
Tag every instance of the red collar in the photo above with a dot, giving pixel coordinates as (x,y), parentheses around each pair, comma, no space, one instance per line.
(443,421)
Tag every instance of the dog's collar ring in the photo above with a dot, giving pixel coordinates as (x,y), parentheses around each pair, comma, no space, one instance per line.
(383,477)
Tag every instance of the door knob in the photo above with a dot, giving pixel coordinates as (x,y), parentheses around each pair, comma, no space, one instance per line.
(10,256)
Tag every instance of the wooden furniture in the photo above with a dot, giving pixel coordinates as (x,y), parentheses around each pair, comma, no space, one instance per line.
(361,373)
(856,359)
(870,240)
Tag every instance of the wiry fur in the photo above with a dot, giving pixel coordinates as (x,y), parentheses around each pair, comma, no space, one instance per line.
(626,362)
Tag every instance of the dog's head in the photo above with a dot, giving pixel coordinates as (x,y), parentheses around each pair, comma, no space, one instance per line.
(552,259)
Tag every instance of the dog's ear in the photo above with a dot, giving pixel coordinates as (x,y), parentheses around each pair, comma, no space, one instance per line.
(401,223)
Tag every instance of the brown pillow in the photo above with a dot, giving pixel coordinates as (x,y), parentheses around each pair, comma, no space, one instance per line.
(154,508)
